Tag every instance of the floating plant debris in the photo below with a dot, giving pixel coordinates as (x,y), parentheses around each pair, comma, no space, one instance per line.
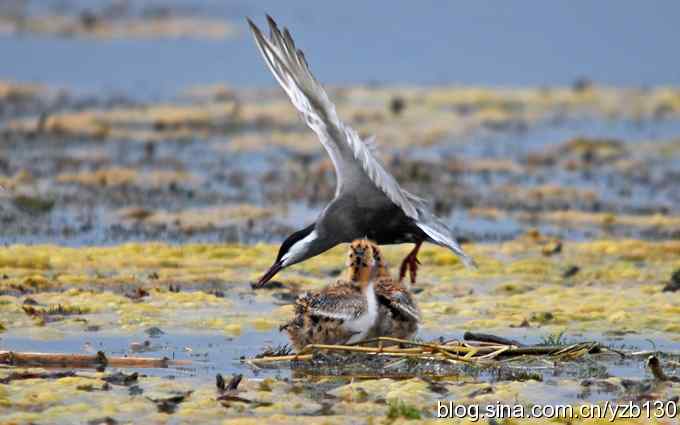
(375,356)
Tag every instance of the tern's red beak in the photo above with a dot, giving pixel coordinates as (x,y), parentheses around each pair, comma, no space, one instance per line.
(275,268)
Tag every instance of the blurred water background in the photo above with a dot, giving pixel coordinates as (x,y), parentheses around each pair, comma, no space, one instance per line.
(427,42)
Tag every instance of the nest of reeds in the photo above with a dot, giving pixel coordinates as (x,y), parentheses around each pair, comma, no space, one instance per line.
(393,357)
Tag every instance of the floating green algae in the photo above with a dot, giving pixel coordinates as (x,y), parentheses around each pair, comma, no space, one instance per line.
(87,397)
(515,283)
(127,289)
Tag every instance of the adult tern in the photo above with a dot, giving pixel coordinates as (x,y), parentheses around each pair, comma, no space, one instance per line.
(368,201)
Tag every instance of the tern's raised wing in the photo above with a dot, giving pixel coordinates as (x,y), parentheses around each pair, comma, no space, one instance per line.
(352,158)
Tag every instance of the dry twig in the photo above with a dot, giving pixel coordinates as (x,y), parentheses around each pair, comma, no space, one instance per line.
(15,358)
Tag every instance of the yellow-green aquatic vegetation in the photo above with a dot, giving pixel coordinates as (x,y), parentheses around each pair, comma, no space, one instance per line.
(152,123)
(198,219)
(118,176)
(76,399)
(515,283)
(399,409)
(13,91)
(428,119)
(668,224)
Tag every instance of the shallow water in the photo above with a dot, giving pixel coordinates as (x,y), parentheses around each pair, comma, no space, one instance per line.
(211,353)
(474,43)
(76,225)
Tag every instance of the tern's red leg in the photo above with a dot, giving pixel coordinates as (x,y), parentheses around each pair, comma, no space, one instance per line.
(411,263)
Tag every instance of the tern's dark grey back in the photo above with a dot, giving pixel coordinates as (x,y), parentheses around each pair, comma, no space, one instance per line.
(366,214)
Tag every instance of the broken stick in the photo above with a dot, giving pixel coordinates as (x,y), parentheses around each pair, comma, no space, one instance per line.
(98,360)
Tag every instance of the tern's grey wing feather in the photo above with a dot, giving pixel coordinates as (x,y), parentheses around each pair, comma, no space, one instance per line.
(440,234)
(353,160)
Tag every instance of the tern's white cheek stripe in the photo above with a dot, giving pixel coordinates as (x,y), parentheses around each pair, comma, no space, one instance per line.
(298,249)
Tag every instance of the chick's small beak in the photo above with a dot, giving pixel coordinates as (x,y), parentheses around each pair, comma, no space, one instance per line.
(275,268)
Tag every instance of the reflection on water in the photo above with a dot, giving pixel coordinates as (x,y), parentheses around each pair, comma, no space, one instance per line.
(209,353)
